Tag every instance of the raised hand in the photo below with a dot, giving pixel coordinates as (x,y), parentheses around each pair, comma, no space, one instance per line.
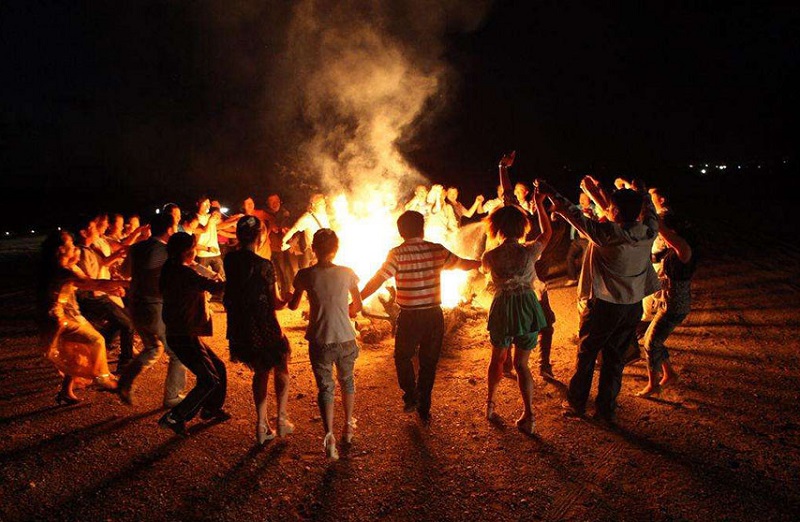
(508,159)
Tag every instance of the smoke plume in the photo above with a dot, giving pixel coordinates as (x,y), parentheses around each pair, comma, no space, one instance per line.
(357,78)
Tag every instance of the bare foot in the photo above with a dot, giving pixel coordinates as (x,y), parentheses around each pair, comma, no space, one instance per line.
(649,390)
(669,379)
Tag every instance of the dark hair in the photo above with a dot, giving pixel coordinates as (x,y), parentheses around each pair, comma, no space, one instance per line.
(629,203)
(508,222)
(411,224)
(179,244)
(161,223)
(248,229)
(188,217)
(83,222)
(168,207)
(48,267)
(325,242)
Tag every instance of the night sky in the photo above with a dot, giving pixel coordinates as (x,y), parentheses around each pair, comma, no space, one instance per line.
(138,102)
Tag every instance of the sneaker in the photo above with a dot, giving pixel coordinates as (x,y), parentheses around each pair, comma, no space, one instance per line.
(219,415)
(167,422)
(173,401)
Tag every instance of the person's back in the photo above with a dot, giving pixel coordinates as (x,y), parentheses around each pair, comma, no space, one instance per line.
(146,260)
(328,289)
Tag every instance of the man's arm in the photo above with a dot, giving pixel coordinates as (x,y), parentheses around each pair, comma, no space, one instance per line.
(573,214)
(372,286)
(356,304)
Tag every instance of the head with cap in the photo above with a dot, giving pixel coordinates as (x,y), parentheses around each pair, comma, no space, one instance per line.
(250,231)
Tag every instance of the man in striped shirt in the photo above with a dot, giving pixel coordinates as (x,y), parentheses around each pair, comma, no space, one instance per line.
(417,266)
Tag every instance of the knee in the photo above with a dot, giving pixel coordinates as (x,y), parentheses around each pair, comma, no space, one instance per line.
(347,383)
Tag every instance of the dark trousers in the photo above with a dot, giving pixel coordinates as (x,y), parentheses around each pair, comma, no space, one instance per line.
(546,333)
(422,332)
(284,274)
(608,328)
(110,319)
(577,248)
(212,379)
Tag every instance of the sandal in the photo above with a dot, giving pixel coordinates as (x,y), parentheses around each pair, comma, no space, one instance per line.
(526,424)
(349,431)
(490,414)
(285,426)
(330,446)
(264,433)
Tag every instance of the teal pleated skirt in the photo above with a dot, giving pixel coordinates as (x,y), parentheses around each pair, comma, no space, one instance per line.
(516,317)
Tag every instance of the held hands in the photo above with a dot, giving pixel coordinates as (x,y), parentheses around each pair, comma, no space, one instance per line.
(352,310)
(480,199)
(508,159)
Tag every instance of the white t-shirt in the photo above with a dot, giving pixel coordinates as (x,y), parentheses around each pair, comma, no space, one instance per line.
(328,290)
(208,238)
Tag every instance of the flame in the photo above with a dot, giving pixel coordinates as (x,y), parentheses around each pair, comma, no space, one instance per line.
(367,230)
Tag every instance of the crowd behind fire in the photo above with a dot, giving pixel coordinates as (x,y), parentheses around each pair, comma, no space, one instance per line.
(631,258)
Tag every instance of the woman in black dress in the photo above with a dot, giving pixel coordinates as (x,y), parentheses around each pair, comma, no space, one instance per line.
(254,334)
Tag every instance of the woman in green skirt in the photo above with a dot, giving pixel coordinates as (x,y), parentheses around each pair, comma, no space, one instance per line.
(515,315)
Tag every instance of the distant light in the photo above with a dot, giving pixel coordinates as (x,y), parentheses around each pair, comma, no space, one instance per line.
(702,171)
(158,211)
(738,166)
(33,231)
(224,210)
(59,229)
(691,166)
(706,165)
(8,233)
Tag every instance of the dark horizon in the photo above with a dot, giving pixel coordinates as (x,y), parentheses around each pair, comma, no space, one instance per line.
(126,103)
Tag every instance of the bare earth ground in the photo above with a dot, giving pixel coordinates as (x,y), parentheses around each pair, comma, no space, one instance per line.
(723,444)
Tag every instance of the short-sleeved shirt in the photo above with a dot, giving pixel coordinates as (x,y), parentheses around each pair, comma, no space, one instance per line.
(512,266)
(417,268)
(328,289)
(208,238)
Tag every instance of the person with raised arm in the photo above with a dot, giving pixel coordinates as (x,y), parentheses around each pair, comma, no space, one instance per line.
(515,315)
(417,266)
(616,276)
(460,210)
(71,343)
(678,263)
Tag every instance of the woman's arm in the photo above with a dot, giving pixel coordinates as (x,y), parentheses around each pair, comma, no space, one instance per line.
(356,304)
(544,219)
(677,243)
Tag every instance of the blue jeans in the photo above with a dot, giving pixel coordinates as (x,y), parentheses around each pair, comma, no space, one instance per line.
(150,327)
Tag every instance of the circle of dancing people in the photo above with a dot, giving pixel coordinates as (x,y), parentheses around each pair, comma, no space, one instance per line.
(631,258)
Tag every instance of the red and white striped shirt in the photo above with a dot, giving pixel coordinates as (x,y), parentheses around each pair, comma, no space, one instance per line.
(417,266)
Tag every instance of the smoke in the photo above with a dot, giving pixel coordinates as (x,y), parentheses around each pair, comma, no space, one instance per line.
(358,78)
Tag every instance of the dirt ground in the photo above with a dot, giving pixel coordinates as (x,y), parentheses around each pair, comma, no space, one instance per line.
(723,444)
